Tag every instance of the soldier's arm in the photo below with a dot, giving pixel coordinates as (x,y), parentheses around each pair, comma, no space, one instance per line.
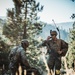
(64,46)
(10,55)
(42,44)
(24,59)
(11,52)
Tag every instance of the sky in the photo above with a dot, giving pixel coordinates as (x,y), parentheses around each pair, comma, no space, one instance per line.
(58,10)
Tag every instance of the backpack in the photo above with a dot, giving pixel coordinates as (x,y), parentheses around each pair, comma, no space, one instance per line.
(63,44)
(13,58)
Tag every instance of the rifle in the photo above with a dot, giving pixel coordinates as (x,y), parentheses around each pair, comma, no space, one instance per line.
(56,28)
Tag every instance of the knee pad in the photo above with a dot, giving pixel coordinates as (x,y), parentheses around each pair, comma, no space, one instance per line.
(57,72)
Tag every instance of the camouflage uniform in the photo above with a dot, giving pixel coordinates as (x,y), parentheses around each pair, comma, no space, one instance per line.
(53,49)
(18,56)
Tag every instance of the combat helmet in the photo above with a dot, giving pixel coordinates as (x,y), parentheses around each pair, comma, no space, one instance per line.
(53,33)
(25,41)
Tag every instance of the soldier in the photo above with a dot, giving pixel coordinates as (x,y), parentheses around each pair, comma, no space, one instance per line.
(18,56)
(56,49)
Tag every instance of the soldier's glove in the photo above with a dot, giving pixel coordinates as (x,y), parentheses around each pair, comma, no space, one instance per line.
(59,52)
(48,38)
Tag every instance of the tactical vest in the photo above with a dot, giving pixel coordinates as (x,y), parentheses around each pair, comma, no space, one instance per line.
(61,47)
(14,58)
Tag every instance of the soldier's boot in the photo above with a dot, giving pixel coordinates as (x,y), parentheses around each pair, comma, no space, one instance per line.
(51,72)
(22,72)
(57,72)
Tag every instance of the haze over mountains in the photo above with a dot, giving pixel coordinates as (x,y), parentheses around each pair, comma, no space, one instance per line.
(2,17)
(63,27)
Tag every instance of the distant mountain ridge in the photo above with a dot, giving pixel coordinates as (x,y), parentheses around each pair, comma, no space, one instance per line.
(63,27)
(2,17)
(2,21)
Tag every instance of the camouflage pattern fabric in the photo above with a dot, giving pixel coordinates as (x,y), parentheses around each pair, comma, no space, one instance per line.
(54,57)
(17,56)
(55,46)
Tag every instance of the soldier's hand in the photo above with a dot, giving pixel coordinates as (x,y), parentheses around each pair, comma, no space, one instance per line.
(48,37)
(60,52)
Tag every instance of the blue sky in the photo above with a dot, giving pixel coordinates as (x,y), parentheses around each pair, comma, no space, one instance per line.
(59,10)
(4,5)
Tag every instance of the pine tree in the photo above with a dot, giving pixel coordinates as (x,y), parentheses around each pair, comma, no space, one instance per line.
(23,19)
(71,53)
(23,24)
(73,15)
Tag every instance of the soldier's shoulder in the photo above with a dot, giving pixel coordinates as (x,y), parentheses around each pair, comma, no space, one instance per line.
(20,48)
(14,47)
(17,49)
(49,40)
(61,40)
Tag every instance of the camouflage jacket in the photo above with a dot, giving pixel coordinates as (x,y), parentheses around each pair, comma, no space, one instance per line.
(18,55)
(54,46)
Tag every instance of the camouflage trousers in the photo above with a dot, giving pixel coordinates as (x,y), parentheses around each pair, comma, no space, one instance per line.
(54,63)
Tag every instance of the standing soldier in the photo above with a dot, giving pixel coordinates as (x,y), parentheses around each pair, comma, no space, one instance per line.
(18,56)
(56,49)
